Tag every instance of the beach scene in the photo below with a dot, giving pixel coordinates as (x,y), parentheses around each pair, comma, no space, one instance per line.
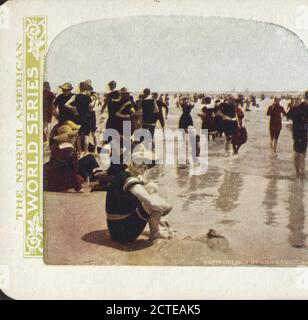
(225,76)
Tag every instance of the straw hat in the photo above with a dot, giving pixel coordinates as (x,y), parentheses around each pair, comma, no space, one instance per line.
(184,98)
(72,125)
(66,86)
(65,134)
(88,85)
(124,90)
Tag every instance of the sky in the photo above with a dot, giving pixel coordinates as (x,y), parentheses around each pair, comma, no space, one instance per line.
(179,53)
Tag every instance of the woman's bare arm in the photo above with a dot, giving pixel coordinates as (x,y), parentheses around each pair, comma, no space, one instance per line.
(150,202)
(69,103)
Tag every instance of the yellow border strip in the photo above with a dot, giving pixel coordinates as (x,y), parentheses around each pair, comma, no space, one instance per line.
(35,47)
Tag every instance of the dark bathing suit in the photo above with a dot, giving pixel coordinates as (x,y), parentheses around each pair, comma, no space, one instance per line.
(126,218)
(124,107)
(299,116)
(65,114)
(186,119)
(82,102)
(275,111)
(149,116)
(112,101)
(229,127)
(160,116)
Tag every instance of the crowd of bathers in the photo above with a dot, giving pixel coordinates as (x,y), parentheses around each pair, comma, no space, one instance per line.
(71,122)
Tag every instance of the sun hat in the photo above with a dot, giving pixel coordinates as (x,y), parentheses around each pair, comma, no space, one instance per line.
(66,86)
(184,98)
(124,90)
(72,125)
(65,134)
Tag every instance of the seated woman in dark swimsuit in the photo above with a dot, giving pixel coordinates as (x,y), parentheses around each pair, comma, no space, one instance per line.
(131,204)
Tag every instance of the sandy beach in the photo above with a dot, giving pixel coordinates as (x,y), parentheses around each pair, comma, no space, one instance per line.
(253,200)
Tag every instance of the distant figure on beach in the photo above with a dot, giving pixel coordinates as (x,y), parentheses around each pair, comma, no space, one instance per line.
(218,117)
(208,118)
(125,110)
(227,110)
(240,135)
(167,100)
(275,111)
(161,105)
(149,114)
(185,119)
(111,103)
(130,205)
(97,103)
(299,116)
(48,99)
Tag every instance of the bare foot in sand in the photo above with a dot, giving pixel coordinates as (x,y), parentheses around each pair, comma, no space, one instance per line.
(161,234)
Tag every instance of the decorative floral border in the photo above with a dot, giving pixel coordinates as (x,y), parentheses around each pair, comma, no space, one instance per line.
(35,47)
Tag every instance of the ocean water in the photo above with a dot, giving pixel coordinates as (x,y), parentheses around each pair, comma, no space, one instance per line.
(253,199)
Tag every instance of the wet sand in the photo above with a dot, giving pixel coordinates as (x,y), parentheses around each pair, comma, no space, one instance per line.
(252,199)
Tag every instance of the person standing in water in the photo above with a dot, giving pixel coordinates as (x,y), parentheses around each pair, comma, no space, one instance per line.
(227,111)
(218,118)
(208,120)
(186,119)
(275,111)
(240,135)
(149,114)
(112,104)
(299,116)
(160,104)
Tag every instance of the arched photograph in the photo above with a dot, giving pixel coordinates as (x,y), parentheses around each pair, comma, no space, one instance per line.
(175,141)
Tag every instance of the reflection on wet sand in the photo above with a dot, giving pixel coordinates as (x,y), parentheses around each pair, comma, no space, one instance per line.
(296,207)
(183,180)
(197,187)
(182,175)
(229,191)
(270,197)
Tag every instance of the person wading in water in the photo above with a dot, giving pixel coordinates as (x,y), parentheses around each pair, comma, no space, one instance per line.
(275,111)
(150,113)
(299,116)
